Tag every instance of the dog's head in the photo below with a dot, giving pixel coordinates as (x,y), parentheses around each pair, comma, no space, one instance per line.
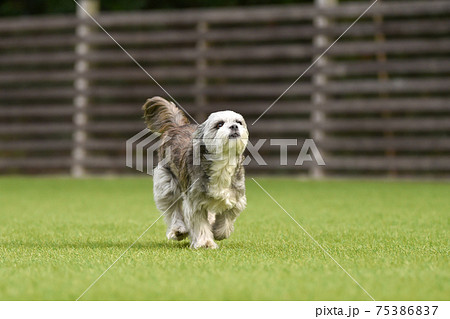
(224,132)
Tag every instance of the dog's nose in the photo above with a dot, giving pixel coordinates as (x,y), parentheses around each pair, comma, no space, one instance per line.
(233,127)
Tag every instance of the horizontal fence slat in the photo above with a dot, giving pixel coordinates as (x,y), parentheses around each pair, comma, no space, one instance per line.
(46,23)
(248,34)
(133,73)
(48,145)
(407,47)
(388,9)
(388,124)
(27,76)
(387,104)
(396,66)
(37,163)
(27,128)
(140,37)
(395,163)
(260,52)
(136,91)
(47,58)
(129,127)
(382,143)
(353,125)
(392,85)
(335,87)
(106,144)
(43,93)
(260,90)
(389,28)
(357,105)
(34,41)
(36,111)
(116,109)
(106,162)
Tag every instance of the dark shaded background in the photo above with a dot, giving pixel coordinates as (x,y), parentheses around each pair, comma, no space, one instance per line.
(33,7)
(382,107)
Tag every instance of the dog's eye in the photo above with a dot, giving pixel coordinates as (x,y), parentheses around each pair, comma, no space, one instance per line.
(239,122)
(219,124)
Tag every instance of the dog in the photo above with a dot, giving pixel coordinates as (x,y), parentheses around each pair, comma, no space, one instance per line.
(199,182)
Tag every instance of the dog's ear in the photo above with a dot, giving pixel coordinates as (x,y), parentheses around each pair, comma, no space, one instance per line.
(198,146)
(197,141)
(199,132)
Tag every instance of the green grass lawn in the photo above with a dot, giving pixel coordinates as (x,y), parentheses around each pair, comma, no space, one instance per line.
(58,235)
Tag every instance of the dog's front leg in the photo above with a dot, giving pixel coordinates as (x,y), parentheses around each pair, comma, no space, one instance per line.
(223,226)
(200,230)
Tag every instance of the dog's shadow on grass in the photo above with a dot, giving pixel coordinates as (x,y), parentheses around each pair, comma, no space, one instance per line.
(110,244)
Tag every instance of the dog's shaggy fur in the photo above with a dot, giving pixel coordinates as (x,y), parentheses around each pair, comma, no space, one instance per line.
(199,182)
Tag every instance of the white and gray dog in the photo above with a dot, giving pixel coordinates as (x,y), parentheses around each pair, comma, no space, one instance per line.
(201,187)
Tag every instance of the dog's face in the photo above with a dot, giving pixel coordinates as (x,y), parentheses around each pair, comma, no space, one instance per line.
(225,132)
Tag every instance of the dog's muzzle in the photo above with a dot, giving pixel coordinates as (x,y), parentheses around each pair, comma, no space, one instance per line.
(234,132)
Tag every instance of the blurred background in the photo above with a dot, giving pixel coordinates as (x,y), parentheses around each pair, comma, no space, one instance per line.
(377,104)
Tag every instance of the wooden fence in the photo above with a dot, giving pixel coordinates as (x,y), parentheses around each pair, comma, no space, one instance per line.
(377,104)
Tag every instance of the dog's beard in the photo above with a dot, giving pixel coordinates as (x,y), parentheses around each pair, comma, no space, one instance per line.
(229,152)
(226,146)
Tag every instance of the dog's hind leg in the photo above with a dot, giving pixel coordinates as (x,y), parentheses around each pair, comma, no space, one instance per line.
(168,200)
(176,228)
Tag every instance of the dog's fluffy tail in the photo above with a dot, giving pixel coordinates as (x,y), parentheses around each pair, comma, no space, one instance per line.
(161,115)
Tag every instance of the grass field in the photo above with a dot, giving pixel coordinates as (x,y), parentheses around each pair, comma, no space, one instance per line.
(58,235)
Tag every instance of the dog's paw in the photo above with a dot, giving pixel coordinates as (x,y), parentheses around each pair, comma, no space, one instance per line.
(222,232)
(177,233)
(209,244)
